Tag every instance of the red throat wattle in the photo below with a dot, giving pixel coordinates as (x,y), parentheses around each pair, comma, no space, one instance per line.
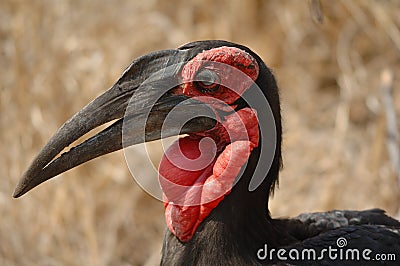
(199,170)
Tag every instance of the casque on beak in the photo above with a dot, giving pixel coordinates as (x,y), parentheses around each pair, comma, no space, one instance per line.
(146,115)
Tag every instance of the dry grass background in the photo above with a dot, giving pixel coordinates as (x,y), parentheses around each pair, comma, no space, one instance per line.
(58,55)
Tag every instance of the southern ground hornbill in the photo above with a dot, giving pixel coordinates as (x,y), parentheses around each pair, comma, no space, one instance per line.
(216,207)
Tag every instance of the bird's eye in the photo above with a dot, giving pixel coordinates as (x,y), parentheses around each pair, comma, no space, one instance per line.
(207,80)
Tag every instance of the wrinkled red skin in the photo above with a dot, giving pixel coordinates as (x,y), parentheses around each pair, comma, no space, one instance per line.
(190,194)
(232,57)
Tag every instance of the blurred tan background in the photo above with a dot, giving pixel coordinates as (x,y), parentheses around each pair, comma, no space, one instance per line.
(55,56)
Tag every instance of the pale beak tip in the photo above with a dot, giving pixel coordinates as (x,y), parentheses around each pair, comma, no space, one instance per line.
(22,188)
(17,193)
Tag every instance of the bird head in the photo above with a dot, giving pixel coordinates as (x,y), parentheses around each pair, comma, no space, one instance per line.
(226,100)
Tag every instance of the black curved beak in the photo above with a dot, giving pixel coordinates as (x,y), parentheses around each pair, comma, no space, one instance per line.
(145,115)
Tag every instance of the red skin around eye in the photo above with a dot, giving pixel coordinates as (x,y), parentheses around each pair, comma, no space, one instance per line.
(229,60)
